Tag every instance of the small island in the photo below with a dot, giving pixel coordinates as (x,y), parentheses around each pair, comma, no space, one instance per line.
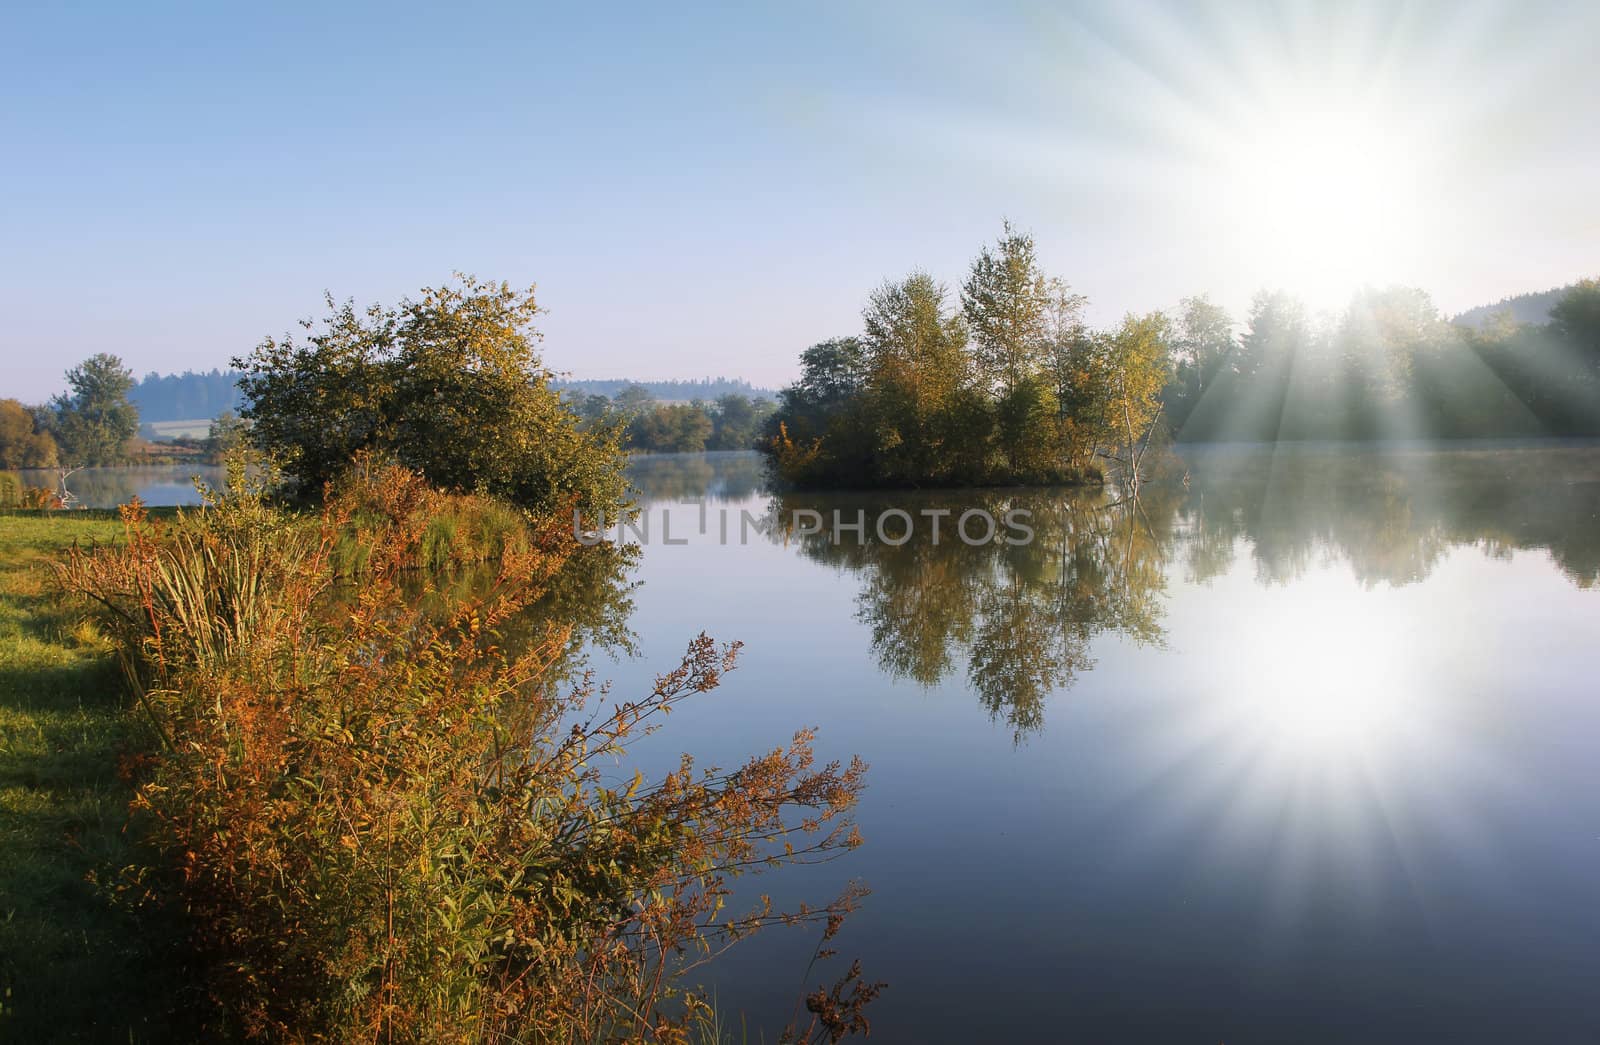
(1009,384)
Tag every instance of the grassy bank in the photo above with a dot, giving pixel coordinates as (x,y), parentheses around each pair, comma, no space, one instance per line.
(71,967)
(370,815)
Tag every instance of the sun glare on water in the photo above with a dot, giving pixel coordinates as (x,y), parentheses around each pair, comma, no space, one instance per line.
(1328,681)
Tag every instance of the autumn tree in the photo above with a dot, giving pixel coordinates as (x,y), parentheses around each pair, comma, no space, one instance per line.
(23,442)
(916,366)
(1012,388)
(1135,363)
(1008,303)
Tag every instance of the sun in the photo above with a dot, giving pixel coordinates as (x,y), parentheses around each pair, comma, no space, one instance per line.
(1326,200)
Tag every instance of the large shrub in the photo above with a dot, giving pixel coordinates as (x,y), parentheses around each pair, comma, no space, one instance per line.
(450,385)
(390,822)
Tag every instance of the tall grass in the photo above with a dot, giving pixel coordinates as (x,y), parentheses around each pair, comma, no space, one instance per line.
(187,597)
(385,821)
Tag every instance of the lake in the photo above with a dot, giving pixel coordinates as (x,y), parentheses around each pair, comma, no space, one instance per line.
(161,484)
(1301,751)
(1298,747)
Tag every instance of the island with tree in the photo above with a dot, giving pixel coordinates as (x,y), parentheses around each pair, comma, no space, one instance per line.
(1006,383)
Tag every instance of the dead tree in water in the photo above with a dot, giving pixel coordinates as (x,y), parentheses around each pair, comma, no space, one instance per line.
(1135,450)
(64,494)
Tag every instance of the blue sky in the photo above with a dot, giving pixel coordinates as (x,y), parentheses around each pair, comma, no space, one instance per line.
(707,190)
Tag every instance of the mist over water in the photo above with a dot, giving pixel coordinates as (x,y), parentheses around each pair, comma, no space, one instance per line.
(1300,750)
(1297,746)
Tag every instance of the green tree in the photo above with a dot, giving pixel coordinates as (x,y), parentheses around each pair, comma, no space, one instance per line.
(449,385)
(23,443)
(1006,301)
(1009,307)
(832,375)
(1275,329)
(1070,370)
(737,421)
(1380,337)
(1278,332)
(633,399)
(93,423)
(671,428)
(917,362)
(1202,343)
(1136,360)
(1575,319)
(593,409)
(228,431)
(833,371)
(820,431)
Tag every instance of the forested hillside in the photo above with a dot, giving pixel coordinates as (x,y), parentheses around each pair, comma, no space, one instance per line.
(1523,308)
(670,391)
(185,396)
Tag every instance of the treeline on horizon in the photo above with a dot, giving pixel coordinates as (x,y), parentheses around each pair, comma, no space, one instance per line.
(1005,382)
(671,390)
(191,395)
(1387,366)
(1533,307)
(1010,384)
(204,394)
(731,421)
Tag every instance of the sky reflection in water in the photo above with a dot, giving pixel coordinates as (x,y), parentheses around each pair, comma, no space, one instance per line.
(1302,751)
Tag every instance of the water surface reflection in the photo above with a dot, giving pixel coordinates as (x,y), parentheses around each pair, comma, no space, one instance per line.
(1301,751)
(162,484)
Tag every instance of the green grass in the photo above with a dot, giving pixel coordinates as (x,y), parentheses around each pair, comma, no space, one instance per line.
(72,966)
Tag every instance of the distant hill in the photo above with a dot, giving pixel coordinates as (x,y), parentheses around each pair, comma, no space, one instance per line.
(186,396)
(191,396)
(1524,308)
(674,390)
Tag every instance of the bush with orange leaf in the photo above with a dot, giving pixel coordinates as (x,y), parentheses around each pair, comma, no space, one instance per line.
(390,823)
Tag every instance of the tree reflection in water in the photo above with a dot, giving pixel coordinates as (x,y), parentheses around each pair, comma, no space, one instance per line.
(1019,620)
(716,477)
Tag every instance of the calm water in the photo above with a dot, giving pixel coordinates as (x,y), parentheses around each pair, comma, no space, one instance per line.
(108,487)
(1303,751)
